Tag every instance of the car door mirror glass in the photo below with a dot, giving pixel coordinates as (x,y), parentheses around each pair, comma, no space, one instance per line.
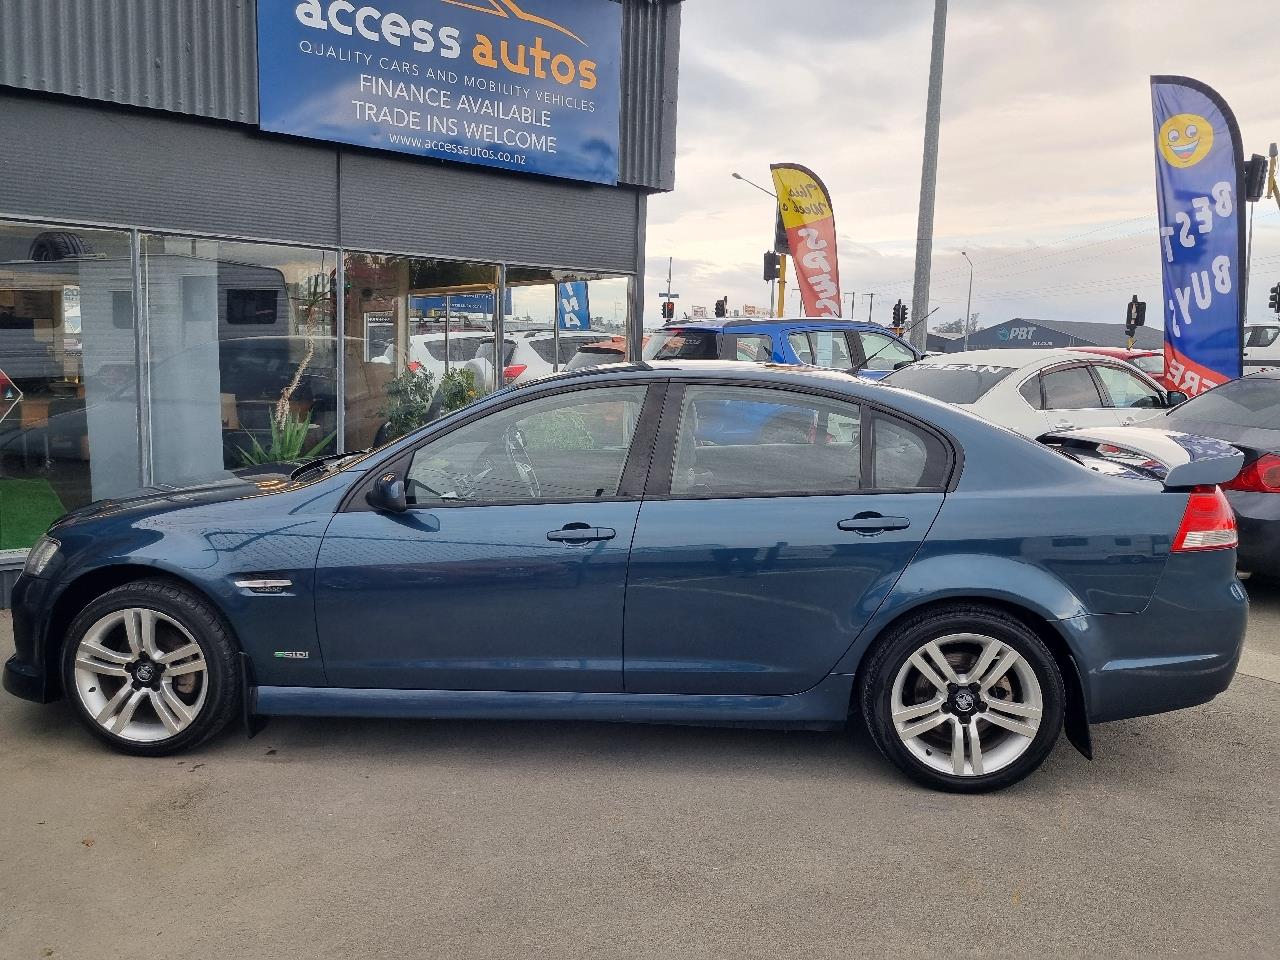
(387,495)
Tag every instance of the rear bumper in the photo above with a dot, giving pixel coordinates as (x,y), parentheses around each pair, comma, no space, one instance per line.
(1180,651)
(1258,516)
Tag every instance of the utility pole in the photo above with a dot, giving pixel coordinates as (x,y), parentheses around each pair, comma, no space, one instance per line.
(968,301)
(928,177)
(871,302)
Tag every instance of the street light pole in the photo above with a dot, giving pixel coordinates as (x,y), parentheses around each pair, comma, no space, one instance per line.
(968,303)
(928,178)
(781,298)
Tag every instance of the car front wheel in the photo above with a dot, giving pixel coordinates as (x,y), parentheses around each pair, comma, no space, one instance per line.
(151,668)
(963,698)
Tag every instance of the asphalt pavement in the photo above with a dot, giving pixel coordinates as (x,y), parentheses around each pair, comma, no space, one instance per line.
(382,839)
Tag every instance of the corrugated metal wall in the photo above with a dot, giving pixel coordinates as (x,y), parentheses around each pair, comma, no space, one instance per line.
(199,57)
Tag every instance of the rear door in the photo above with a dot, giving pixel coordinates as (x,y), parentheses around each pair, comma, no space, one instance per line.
(758,559)
(1074,398)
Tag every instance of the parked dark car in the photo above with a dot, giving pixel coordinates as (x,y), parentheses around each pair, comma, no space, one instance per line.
(1246,413)
(577,549)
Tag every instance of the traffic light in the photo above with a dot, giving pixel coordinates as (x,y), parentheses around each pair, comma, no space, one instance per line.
(1135,315)
(770,266)
(668,310)
(722,307)
(899,314)
(1274,301)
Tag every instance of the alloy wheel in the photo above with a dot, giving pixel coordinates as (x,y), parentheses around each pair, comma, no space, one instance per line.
(141,675)
(966,705)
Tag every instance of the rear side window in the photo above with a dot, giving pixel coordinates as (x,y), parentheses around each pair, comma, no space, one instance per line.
(753,348)
(746,442)
(1031,393)
(1152,366)
(546,349)
(1071,389)
(905,457)
(800,344)
(680,344)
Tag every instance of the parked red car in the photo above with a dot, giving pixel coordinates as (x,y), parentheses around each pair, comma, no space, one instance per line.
(1150,362)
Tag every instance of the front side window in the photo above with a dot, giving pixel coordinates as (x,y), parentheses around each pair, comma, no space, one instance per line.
(1127,390)
(884,352)
(1259,336)
(744,442)
(567,447)
(1071,389)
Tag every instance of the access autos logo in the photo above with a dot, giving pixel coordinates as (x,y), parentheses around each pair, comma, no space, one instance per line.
(445,40)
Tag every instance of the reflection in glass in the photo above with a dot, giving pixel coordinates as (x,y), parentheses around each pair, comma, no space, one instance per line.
(243,357)
(68,377)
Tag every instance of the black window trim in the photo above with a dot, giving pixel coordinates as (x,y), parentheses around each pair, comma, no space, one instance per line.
(660,477)
(631,484)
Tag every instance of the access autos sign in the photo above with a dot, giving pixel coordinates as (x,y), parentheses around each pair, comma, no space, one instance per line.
(532,86)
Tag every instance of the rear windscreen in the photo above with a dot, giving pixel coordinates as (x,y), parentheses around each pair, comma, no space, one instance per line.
(949,382)
(682,345)
(1251,402)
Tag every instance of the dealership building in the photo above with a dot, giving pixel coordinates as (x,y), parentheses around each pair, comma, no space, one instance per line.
(215,214)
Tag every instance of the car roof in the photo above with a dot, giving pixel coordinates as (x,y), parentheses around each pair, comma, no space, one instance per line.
(760,323)
(1009,358)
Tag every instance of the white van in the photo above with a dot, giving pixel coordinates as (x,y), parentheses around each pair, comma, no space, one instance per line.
(1261,346)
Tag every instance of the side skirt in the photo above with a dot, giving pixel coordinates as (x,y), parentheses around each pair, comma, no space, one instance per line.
(823,706)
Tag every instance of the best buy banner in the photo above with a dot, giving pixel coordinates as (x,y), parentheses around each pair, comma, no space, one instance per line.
(1198,176)
(532,86)
(805,208)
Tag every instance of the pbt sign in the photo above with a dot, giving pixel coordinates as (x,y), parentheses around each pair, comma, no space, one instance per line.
(1017,333)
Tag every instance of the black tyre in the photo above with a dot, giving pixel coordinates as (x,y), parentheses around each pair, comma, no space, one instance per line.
(151,668)
(53,245)
(963,698)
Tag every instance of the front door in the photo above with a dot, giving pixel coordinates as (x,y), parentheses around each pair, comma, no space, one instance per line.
(759,558)
(508,570)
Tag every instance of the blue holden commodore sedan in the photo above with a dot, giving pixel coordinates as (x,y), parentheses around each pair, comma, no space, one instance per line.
(580,548)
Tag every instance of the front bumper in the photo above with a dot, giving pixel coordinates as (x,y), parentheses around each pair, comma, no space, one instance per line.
(1182,650)
(26,674)
(1258,517)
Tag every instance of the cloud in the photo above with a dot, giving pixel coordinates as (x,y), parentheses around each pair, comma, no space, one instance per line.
(1045,171)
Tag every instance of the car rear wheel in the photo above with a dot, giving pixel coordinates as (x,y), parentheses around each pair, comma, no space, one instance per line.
(963,698)
(151,668)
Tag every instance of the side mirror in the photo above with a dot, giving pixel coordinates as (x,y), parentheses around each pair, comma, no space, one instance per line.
(1175,397)
(387,495)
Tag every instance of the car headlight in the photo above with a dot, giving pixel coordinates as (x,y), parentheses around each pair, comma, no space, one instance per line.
(41,556)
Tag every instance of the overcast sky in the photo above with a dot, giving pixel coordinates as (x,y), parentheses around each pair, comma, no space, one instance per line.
(1046,171)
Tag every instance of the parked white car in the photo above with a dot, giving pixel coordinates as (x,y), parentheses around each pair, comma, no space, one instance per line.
(530,354)
(428,350)
(1035,392)
(1261,346)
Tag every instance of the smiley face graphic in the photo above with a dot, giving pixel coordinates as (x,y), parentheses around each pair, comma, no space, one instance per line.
(1185,139)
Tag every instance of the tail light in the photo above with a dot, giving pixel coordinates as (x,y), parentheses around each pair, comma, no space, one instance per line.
(1261,476)
(1209,523)
(513,371)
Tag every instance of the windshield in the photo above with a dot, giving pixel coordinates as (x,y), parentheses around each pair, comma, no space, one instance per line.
(949,382)
(682,345)
(1251,402)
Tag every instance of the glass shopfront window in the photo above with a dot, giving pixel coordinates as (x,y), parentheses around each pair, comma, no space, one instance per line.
(565,319)
(68,376)
(243,357)
(411,323)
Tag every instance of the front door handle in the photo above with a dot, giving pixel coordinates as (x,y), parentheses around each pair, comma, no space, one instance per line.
(869,524)
(581,533)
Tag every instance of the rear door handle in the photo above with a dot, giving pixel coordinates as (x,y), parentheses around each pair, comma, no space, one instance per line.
(1064,425)
(574,533)
(869,524)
